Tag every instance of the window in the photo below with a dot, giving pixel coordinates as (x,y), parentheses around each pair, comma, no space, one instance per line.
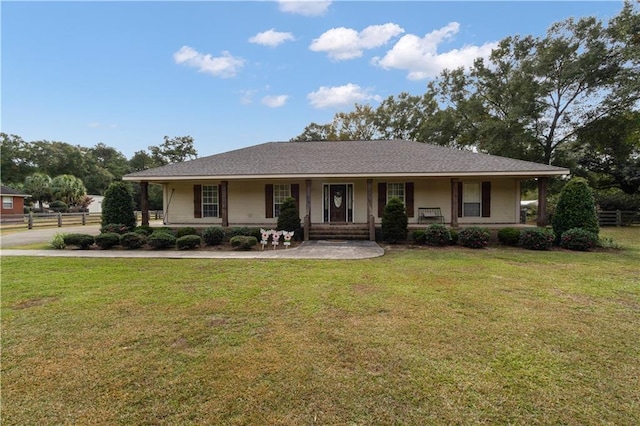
(280,193)
(395,190)
(7,202)
(471,197)
(209,201)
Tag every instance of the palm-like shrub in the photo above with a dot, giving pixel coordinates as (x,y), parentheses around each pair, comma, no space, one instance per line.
(576,209)
(394,221)
(118,205)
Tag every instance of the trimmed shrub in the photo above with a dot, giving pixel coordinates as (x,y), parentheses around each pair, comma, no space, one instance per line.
(107,240)
(58,206)
(188,241)
(114,228)
(143,229)
(118,205)
(181,232)
(419,237)
(576,209)
(437,235)
(57,242)
(133,240)
(243,232)
(394,221)
(536,238)
(454,237)
(509,236)
(164,229)
(243,242)
(162,240)
(213,236)
(474,237)
(289,218)
(82,241)
(578,239)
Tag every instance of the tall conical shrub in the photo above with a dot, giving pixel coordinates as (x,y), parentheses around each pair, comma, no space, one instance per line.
(118,205)
(289,218)
(394,221)
(576,209)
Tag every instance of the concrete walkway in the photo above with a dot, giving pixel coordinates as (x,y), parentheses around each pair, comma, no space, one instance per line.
(307,250)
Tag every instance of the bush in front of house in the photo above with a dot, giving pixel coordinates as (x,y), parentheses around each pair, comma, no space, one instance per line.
(144,229)
(118,205)
(576,208)
(419,237)
(213,235)
(133,240)
(474,237)
(394,221)
(243,231)
(162,239)
(82,241)
(536,238)
(188,241)
(454,237)
(579,239)
(289,218)
(509,236)
(437,235)
(114,228)
(243,242)
(107,240)
(188,230)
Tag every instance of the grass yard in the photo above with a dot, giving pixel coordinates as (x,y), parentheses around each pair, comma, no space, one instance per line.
(423,336)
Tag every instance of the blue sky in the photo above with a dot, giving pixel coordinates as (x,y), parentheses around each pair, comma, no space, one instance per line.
(235,74)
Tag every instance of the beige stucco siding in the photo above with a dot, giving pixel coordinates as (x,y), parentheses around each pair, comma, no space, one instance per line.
(503,203)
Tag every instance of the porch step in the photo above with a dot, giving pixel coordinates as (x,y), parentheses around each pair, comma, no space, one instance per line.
(339,232)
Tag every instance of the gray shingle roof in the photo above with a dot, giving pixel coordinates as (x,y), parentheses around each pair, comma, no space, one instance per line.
(348,158)
(5,190)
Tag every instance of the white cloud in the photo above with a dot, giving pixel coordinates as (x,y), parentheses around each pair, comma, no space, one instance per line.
(420,57)
(221,66)
(305,7)
(346,43)
(275,101)
(271,38)
(338,96)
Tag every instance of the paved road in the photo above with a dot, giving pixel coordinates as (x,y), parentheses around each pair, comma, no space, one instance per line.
(307,250)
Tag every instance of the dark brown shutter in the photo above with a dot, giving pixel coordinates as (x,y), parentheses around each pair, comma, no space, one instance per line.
(221,203)
(459,199)
(295,193)
(197,200)
(486,199)
(408,195)
(268,201)
(382,198)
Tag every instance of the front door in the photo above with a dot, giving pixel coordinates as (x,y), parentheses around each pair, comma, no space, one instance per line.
(338,203)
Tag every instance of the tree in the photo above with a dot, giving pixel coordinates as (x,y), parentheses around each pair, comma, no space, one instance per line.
(289,218)
(317,132)
(394,221)
(608,152)
(14,160)
(118,206)
(141,160)
(531,97)
(403,117)
(576,209)
(38,185)
(68,189)
(357,125)
(174,150)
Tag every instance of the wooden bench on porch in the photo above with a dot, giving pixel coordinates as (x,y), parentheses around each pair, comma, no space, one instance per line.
(430,215)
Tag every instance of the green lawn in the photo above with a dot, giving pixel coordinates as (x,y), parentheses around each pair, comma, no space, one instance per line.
(422,336)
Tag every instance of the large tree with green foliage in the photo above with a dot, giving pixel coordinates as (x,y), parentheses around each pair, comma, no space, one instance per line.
(38,185)
(173,150)
(68,189)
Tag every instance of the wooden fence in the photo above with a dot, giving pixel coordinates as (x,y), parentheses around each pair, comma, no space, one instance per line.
(618,218)
(33,220)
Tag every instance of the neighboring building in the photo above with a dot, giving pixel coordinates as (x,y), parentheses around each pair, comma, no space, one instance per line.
(345,183)
(12,201)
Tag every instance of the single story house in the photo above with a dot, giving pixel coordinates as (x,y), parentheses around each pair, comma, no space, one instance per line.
(12,201)
(345,184)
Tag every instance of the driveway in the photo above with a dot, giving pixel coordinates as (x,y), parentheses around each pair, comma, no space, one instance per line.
(43,235)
